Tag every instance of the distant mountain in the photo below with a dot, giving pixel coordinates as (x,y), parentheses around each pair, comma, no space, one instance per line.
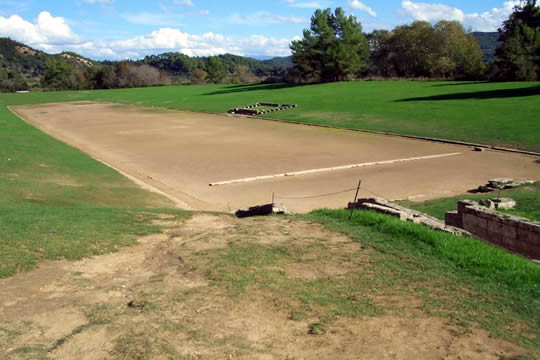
(285,62)
(488,43)
(181,67)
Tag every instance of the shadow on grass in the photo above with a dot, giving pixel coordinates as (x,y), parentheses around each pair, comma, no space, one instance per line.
(254,87)
(462,83)
(480,95)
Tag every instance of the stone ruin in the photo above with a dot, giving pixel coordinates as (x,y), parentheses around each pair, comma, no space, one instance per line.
(513,233)
(501,184)
(253,110)
(405,214)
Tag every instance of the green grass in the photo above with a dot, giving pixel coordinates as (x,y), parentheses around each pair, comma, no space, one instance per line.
(491,113)
(58,203)
(526,196)
(458,277)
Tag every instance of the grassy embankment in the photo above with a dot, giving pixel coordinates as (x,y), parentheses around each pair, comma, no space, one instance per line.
(491,113)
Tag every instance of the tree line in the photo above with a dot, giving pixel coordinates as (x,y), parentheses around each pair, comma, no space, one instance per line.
(334,48)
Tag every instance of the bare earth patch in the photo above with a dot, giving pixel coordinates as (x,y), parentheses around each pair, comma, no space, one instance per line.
(169,297)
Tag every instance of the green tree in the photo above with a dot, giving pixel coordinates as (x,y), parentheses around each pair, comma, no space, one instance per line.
(457,53)
(216,70)
(422,50)
(59,75)
(518,58)
(333,49)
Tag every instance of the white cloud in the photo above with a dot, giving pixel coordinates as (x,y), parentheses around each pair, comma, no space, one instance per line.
(47,30)
(53,34)
(432,12)
(264,17)
(358,5)
(485,21)
(490,20)
(169,39)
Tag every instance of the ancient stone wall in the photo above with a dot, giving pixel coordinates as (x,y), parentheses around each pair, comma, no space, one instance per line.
(513,233)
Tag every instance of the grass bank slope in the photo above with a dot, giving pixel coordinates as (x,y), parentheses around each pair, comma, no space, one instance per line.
(492,113)
(458,277)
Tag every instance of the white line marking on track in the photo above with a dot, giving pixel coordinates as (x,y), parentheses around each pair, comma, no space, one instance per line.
(336,168)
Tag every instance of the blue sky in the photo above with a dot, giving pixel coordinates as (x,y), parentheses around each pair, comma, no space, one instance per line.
(116,29)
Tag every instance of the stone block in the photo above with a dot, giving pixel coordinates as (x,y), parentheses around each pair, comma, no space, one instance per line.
(509,242)
(475,225)
(526,249)
(509,232)
(530,226)
(528,236)
(462,205)
(495,232)
(453,218)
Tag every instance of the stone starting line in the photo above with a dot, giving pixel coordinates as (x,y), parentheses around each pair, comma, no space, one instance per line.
(335,168)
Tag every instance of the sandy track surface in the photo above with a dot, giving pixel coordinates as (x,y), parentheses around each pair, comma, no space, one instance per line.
(181,153)
(161,300)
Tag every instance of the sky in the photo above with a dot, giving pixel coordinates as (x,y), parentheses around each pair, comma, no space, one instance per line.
(121,29)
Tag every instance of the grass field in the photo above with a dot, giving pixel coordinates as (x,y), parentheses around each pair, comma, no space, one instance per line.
(491,113)
(526,196)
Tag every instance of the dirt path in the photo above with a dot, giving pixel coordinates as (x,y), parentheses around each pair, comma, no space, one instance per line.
(172,297)
(180,153)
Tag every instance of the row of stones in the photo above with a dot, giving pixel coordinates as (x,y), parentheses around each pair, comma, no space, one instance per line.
(509,237)
(510,232)
(251,109)
(470,207)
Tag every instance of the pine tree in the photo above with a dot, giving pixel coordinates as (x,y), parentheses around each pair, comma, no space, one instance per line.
(518,58)
(333,49)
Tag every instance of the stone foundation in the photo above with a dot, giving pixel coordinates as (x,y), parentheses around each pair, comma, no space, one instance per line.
(512,233)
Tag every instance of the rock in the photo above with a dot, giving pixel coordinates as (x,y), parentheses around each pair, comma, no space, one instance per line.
(261,210)
(499,183)
(479,149)
(487,203)
(485,189)
(504,203)
(279,209)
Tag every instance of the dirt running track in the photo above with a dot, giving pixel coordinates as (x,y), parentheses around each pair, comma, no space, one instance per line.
(180,153)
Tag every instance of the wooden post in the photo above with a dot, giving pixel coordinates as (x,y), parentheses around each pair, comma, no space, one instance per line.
(272,197)
(355,198)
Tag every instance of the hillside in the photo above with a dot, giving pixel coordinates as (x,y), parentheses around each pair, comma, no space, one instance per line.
(488,43)
(22,66)
(181,67)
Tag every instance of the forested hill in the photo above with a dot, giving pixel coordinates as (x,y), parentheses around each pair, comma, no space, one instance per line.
(489,42)
(180,66)
(22,67)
